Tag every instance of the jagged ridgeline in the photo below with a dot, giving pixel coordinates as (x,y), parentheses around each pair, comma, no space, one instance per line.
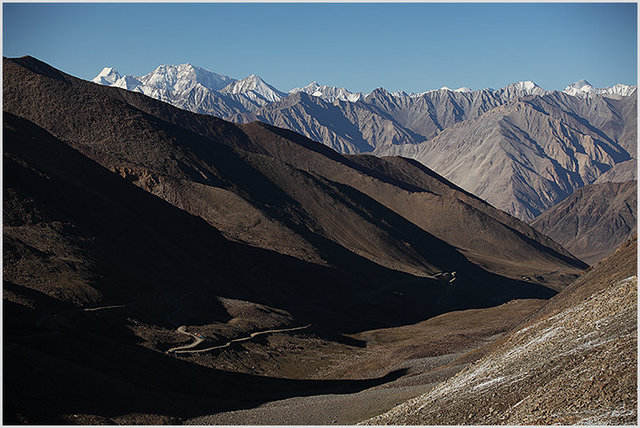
(532,151)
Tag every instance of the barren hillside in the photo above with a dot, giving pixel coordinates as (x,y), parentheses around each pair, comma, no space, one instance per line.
(573,362)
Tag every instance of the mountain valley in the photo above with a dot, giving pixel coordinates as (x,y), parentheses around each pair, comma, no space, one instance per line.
(185,247)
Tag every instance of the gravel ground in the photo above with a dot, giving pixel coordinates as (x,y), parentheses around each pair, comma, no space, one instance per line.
(341,409)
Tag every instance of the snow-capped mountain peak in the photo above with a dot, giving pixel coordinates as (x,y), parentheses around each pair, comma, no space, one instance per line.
(127,82)
(579,87)
(400,94)
(463,89)
(254,85)
(309,89)
(582,88)
(108,76)
(328,93)
(183,77)
(582,83)
(526,87)
(621,89)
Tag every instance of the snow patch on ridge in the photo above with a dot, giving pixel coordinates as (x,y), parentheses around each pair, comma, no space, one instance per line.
(329,93)
(254,85)
(582,88)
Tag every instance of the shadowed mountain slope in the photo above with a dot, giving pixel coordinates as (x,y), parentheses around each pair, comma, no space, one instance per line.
(486,235)
(77,236)
(574,362)
(82,235)
(97,272)
(276,178)
(594,220)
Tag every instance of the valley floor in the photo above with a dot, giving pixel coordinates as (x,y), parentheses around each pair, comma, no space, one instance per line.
(422,355)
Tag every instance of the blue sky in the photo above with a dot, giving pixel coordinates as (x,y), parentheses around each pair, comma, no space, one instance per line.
(413,47)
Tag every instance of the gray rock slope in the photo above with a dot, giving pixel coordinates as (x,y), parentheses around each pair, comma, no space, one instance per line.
(381,118)
(527,155)
(624,171)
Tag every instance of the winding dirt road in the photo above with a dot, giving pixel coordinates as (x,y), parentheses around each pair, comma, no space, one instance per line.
(196,342)
(186,348)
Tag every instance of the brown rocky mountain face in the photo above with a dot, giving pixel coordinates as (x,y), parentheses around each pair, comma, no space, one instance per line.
(278,180)
(574,362)
(485,235)
(126,218)
(594,221)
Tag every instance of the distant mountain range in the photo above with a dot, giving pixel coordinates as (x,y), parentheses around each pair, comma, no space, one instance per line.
(533,149)
(174,81)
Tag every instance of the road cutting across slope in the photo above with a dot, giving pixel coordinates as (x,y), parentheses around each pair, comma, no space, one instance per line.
(187,348)
(196,342)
